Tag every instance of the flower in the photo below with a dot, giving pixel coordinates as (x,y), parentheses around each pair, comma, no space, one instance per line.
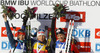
(57,5)
(60,10)
(10,8)
(30,13)
(9,11)
(35,9)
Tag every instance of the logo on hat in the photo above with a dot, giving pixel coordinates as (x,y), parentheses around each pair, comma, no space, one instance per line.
(58,31)
(41,32)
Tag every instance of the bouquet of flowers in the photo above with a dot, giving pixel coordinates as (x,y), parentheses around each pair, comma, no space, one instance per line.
(60,10)
(9,11)
(30,13)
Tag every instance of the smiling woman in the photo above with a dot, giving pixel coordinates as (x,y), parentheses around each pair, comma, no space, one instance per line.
(8,2)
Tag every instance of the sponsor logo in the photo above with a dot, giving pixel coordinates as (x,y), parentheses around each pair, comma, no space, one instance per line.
(40,32)
(97,33)
(97,47)
(5,45)
(77,16)
(44,16)
(81,33)
(4,32)
(84,46)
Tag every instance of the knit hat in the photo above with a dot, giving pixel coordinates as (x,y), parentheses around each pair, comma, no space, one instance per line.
(60,31)
(40,32)
(21,31)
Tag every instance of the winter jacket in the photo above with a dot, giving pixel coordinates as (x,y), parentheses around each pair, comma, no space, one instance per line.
(39,46)
(57,46)
(20,48)
(35,43)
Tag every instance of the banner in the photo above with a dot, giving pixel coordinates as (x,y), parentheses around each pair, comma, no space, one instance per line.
(84,12)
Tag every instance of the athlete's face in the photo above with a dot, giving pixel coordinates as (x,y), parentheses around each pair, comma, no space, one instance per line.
(61,37)
(21,37)
(41,38)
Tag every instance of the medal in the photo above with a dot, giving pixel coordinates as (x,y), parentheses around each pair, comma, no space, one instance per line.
(39,47)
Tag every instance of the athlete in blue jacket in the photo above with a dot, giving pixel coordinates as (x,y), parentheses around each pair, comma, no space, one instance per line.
(17,46)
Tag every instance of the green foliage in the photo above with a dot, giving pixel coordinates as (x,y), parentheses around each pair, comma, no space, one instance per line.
(10,14)
(29,13)
(59,10)
(4,9)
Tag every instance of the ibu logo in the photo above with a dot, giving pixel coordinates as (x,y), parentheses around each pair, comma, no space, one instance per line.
(81,33)
(5,45)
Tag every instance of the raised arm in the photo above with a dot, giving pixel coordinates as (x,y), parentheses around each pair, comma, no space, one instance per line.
(9,33)
(53,29)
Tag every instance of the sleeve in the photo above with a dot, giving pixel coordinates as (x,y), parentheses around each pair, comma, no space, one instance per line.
(33,41)
(74,48)
(10,35)
(23,27)
(53,29)
(53,37)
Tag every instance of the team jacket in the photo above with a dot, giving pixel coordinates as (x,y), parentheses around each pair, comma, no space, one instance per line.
(35,43)
(20,48)
(39,46)
(60,46)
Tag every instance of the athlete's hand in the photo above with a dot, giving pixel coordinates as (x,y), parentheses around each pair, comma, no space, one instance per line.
(5,17)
